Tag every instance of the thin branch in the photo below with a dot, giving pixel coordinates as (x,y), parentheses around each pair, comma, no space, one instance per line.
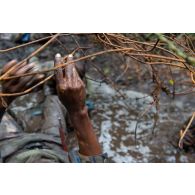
(180,144)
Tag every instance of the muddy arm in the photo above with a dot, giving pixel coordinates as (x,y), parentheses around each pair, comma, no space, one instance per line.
(87,140)
(71,92)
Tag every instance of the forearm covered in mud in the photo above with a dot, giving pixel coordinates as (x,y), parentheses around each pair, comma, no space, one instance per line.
(87,140)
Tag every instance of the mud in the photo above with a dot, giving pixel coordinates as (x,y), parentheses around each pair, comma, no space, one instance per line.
(117,125)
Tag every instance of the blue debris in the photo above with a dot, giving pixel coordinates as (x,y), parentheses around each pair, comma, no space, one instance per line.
(90,105)
(25,37)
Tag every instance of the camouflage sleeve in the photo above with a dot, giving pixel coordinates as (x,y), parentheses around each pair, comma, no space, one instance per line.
(76,157)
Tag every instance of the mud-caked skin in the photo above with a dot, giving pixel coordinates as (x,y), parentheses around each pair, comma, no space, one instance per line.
(71,92)
(18,84)
(70,87)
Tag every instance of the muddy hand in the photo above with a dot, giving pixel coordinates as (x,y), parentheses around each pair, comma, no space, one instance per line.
(70,87)
(19,84)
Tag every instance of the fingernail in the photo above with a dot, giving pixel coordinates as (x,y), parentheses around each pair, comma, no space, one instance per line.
(14,61)
(35,68)
(58,57)
(32,65)
(70,56)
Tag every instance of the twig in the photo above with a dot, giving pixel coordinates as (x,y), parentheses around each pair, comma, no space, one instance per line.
(180,144)
(29,43)
(30,56)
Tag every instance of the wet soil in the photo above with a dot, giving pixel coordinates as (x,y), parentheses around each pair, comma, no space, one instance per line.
(117,128)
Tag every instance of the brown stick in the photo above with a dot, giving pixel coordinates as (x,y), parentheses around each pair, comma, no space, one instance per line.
(30,56)
(185,131)
(86,57)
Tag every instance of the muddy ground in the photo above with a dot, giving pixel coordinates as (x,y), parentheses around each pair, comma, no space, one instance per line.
(114,115)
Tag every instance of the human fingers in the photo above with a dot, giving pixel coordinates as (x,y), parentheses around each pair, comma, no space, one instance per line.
(69,68)
(28,81)
(23,82)
(58,73)
(7,66)
(25,68)
(22,70)
(16,68)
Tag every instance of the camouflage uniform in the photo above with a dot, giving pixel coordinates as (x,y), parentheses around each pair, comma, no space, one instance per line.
(29,132)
